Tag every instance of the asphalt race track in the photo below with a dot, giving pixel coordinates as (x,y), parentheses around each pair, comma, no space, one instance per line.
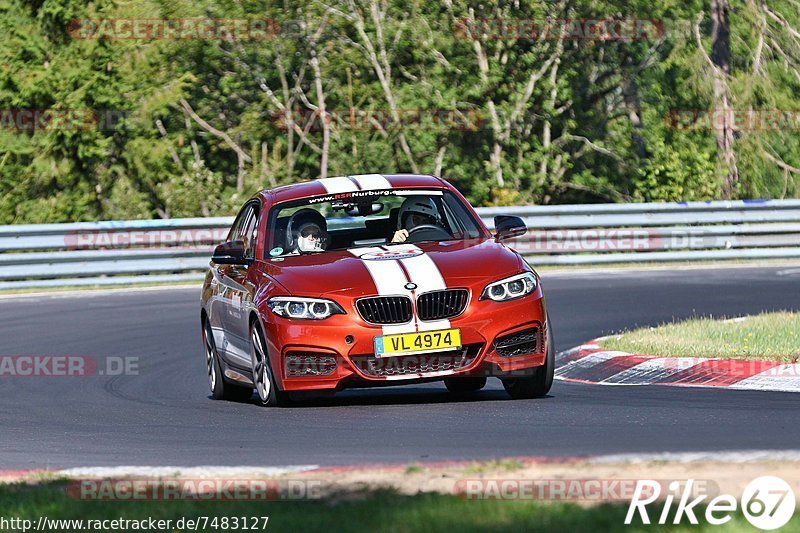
(164,416)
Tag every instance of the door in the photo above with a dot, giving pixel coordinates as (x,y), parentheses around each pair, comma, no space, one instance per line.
(236,291)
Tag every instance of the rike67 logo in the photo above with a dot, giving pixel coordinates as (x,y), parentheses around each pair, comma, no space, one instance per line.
(767,502)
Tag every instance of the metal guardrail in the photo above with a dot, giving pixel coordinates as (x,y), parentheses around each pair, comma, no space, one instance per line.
(132,251)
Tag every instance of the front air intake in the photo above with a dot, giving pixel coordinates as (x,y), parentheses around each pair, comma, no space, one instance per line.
(519,343)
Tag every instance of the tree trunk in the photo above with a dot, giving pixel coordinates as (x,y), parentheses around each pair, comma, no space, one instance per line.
(633,107)
(721,58)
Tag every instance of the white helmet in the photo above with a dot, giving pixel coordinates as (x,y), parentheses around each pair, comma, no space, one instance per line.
(311,238)
(417,205)
(307,231)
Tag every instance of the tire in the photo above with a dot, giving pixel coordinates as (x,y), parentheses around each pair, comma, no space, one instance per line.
(220,389)
(266,386)
(538,384)
(464,385)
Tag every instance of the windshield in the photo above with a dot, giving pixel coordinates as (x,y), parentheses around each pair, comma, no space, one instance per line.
(368,218)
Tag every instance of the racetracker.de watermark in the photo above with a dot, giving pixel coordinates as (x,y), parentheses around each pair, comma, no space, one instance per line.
(32,120)
(577,490)
(617,240)
(357,119)
(67,366)
(144,238)
(787,120)
(175,29)
(735,368)
(202,489)
(570,29)
(600,239)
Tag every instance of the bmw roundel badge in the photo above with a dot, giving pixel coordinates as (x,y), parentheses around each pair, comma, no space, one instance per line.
(411,286)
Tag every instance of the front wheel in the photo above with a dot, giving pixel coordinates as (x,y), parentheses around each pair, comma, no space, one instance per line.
(539,383)
(267,388)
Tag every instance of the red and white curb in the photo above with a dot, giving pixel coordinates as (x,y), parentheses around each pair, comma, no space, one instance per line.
(589,363)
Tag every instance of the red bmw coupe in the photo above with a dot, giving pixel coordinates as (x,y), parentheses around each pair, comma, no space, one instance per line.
(371,280)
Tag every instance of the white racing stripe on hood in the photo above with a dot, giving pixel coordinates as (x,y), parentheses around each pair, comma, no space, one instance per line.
(424,272)
(389,280)
(339,184)
(371,182)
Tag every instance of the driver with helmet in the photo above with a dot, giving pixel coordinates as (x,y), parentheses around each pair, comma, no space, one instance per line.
(415,211)
(307,232)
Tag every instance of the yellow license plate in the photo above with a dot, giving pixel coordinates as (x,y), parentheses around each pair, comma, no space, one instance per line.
(412,343)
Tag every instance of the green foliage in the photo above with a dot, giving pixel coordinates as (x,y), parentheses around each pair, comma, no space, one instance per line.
(677,172)
(506,120)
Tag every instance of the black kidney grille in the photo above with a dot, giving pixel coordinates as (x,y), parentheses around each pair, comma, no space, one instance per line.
(442,304)
(385,309)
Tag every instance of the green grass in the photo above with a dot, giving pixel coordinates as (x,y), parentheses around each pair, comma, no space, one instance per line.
(772,336)
(378,511)
(508,465)
(414,468)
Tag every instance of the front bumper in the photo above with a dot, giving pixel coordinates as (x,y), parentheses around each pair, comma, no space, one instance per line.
(337,353)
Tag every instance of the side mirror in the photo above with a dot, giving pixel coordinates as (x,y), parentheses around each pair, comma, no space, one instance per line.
(230,253)
(506,227)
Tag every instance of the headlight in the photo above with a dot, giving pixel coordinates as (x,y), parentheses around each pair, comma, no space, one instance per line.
(304,308)
(510,288)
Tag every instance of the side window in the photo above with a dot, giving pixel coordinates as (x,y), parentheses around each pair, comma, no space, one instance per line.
(245,229)
(249,232)
(236,229)
(460,220)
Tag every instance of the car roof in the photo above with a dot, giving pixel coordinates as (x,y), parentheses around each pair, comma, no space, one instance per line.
(338,184)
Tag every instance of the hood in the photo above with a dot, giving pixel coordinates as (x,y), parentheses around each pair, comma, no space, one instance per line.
(370,271)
